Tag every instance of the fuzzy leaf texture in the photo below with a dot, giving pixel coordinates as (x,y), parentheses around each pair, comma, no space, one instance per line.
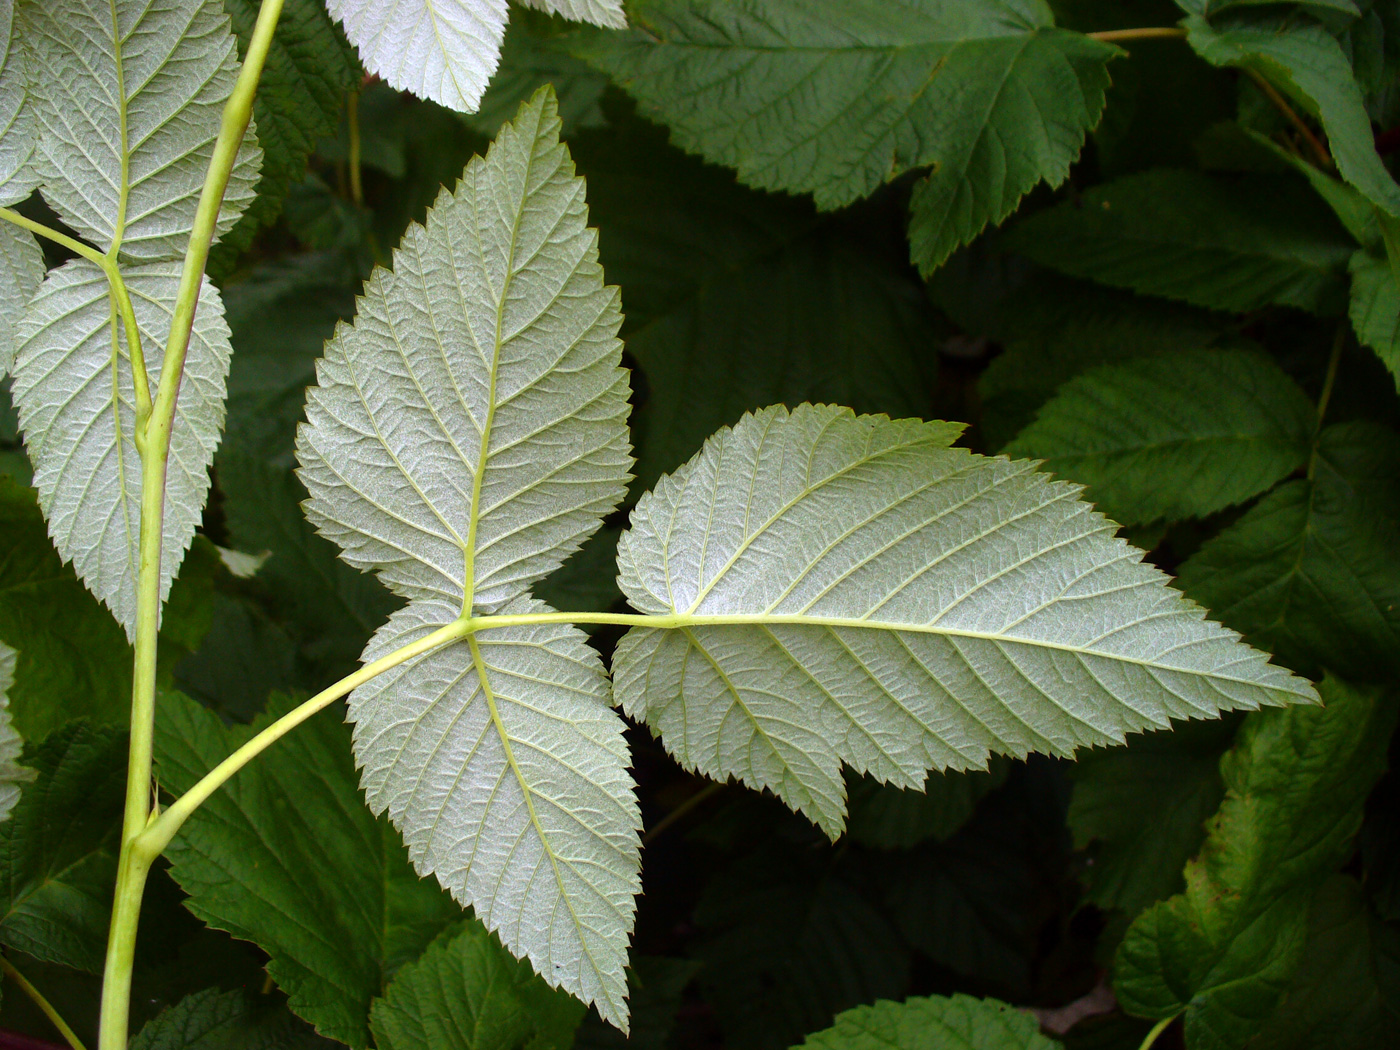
(12,774)
(836,97)
(446,50)
(932,1023)
(853,590)
(129,104)
(78,429)
(21,261)
(466,434)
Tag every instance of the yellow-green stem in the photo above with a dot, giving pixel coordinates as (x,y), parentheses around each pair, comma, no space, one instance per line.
(352,120)
(69,1036)
(1157,1030)
(1339,343)
(1118,36)
(134,862)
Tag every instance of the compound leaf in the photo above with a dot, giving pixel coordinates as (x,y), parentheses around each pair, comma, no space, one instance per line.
(851,589)
(504,765)
(1233,244)
(467,433)
(932,1023)
(58,850)
(467,993)
(247,861)
(79,418)
(1225,949)
(837,97)
(1174,436)
(128,106)
(1310,571)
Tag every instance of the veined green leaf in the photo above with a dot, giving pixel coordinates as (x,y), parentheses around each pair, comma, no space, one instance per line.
(128,107)
(18,179)
(1175,436)
(851,589)
(218,1020)
(1375,307)
(21,273)
(1225,949)
(1308,64)
(57,851)
(12,774)
(933,1023)
(1310,572)
(1224,243)
(836,97)
(446,50)
(339,909)
(73,389)
(467,433)
(467,993)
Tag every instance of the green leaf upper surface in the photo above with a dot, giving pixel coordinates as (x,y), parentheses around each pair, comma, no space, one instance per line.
(1345,993)
(303,86)
(1225,950)
(858,573)
(467,433)
(889,817)
(932,1023)
(506,768)
(1224,243)
(446,50)
(1174,436)
(287,856)
(74,660)
(1142,810)
(1310,572)
(87,471)
(737,299)
(837,97)
(12,774)
(57,852)
(1375,307)
(467,993)
(1306,62)
(217,1020)
(128,106)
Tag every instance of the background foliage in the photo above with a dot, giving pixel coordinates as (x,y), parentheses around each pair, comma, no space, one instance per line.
(1131,263)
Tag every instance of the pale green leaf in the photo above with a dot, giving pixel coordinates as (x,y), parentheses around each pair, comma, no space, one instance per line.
(506,769)
(1306,62)
(87,473)
(18,179)
(836,97)
(129,104)
(58,849)
(933,1023)
(1225,949)
(21,272)
(850,589)
(467,993)
(600,12)
(1235,244)
(1174,436)
(12,774)
(337,910)
(466,434)
(1375,307)
(457,359)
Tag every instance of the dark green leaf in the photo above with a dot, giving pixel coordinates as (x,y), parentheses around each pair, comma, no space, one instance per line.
(58,850)
(1225,950)
(535,53)
(74,660)
(1310,572)
(654,988)
(287,856)
(1143,809)
(1375,307)
(1237,243)
(1175,436)
(215,1020)
(935,1023)
(1346,993)
(836,97)
(468,993)
(888,817)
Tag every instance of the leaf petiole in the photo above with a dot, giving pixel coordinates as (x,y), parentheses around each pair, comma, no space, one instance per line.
(69,1036)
